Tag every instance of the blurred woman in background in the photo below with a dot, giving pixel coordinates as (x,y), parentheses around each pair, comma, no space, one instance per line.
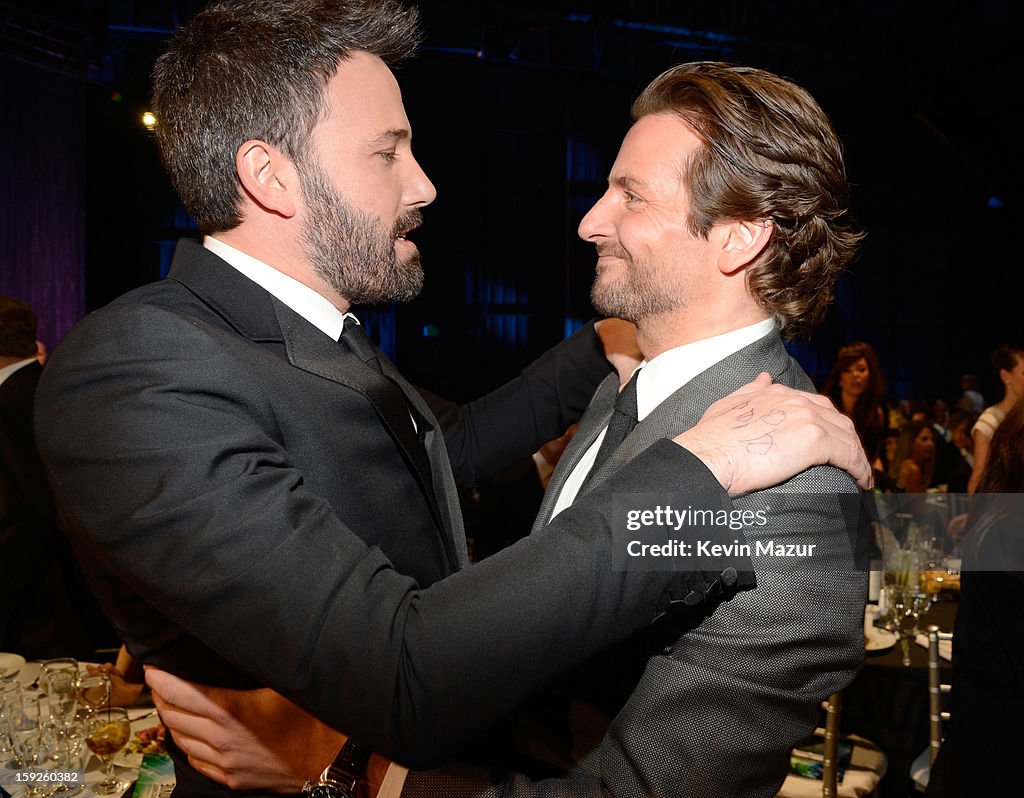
(855,387)
(914,463)
(1008,363)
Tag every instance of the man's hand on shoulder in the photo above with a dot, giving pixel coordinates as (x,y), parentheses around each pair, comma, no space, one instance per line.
(763,434)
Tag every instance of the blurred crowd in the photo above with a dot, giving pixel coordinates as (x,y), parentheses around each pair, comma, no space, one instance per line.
(920,445)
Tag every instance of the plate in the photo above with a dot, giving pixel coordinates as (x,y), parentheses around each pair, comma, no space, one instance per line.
(30,673)
(880,640)
(126,760)
(10,665)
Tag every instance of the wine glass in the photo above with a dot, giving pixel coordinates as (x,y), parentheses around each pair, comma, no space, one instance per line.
(76,752)
(59,677)
(906,595)
(106,733)
(93,690)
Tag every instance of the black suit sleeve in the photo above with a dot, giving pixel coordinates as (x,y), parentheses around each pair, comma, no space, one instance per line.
(160,447)
(512,422)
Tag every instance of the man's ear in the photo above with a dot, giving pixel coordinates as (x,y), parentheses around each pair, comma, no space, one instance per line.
(741,243)
(268,177)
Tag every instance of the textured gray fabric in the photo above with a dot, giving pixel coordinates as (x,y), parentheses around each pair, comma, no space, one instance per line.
(716,714)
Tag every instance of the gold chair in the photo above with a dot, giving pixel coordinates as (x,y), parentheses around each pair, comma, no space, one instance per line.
(921,768)
(863,773)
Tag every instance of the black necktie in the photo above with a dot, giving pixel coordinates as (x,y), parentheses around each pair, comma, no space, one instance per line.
(394,409)
(624,418)
(358,344)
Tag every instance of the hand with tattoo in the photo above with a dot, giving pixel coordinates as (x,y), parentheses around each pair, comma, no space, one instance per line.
(763,434)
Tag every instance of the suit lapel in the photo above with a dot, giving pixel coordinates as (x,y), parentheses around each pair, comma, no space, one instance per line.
(440,467)
(310,350)
(260,317)
(594,420)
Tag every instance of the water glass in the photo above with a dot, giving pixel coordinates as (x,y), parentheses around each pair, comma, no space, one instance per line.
(905,591)
(10,719)
(93,690)
(59,677)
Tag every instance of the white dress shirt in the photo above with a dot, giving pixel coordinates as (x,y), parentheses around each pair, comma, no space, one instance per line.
(658,380)
(7,371)
(313,307)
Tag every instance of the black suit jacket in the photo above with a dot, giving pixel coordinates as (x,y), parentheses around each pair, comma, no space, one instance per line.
(247,519)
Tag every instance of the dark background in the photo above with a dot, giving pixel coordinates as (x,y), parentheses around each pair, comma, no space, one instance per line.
(518,109)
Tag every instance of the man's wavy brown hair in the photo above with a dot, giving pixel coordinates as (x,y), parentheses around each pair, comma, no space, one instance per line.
(770,153)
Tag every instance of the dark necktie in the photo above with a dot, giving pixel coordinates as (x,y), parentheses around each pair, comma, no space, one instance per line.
(358,344)
(624,418)
(394,409)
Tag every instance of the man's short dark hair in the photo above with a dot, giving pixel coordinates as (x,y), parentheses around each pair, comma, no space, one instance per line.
(770,153)
(257,69)
(18,326)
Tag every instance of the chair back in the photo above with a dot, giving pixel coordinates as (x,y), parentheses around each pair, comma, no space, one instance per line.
(936,715)
(830,758)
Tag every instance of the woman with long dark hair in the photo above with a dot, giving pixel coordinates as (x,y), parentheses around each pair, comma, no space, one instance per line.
(914,463)
(856,387)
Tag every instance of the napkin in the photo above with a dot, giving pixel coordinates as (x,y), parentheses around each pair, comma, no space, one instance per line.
(945,646)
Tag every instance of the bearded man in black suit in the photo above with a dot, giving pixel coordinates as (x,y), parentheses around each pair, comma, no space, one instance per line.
(260,498)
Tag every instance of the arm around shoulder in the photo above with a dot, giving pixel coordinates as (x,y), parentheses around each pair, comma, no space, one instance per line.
(220,531)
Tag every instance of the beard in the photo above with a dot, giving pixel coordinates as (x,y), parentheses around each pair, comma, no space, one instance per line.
(637,293)
(351,250)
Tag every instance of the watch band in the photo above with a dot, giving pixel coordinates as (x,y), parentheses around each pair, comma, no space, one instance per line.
(348,767)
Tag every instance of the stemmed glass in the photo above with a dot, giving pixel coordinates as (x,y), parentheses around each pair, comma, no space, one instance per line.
(106,733)
(93,690)
(59,678)
(43,749)
(906,594)
(10,720)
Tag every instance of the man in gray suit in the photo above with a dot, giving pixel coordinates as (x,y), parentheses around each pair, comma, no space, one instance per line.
(724,227)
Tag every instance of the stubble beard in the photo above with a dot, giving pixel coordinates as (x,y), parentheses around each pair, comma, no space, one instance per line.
(636,294)
(351,250)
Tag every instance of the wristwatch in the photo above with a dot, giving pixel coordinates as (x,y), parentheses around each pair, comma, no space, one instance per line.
(341,778)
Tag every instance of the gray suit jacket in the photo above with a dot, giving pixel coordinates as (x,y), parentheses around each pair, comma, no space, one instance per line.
(716,713)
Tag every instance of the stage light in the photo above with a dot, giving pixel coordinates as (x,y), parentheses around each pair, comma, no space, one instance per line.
(149,120)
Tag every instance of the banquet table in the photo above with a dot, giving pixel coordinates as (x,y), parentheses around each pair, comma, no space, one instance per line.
(888,702)
(126,766)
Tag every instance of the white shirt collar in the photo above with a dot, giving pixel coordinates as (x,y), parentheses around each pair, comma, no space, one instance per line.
(313,307)
(7,371)
(658,380)
(672,369)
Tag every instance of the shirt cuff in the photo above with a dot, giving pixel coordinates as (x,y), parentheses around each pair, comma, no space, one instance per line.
(394,781)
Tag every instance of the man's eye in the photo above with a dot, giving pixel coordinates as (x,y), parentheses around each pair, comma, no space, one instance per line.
(631,197)
(389,155)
